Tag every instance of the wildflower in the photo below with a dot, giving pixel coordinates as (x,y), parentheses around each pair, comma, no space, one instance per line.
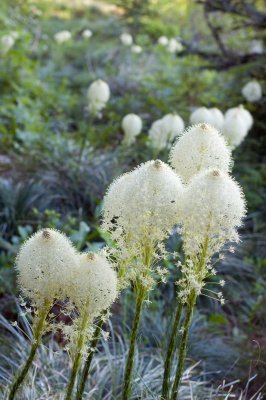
(199,147)
(94,286)
(256,47)
(212,116)
(163,41)
(252,91)
(126,39)
(94,289)
(62,36)
(87,33)
(237,123)
(140,205)
(136,49)
(164,131)
(131,125)
(44,263)
(7,42)
(213,208)
(174,46)
(98,95)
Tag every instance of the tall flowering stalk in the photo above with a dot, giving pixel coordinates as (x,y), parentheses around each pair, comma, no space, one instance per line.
(43,263)
(138,213)
(213,209)
(94,289)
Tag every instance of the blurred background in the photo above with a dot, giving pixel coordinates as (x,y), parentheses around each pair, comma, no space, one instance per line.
(57,160)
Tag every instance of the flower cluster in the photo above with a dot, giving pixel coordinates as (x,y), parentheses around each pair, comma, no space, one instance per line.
(252,91)
(98,95)
(126,39)
(213,208)
(62,36)
(163,131)
(139,210)
(238,121)
(132,126)
(212,116)
(8,41)
(200,147)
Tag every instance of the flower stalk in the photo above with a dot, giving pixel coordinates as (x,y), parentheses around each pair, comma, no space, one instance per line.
(130,358)
(86,369)
(78,356)
(170,352)
(37,335)
(183,344)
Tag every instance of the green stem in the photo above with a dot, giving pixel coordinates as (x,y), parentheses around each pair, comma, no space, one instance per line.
(183,345)
(78,357)
(37,335)
(86,369)
(170,352)
(130,357)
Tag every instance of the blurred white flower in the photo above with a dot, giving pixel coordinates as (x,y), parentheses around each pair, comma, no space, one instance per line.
(165,130)
(256,47)
(87,33)
(136,49)
(62,36)
(7,42)
(126,39)
(211,116)
(98,95)
(131,125)
(163,41)
(174,46)
(237,123)
(252,91)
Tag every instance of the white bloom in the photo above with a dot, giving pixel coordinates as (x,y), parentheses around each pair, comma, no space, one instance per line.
(126,39)
(94,286)
(14,34)
(200,147)
(256,47)
(173,125)
(218,118)
(252,91)
(62,36)
(238,122)
(45,263)
(212,116)
(98,95)
(7,42)
(164,130)
(157,139)
(131,125)
(163,41)
(174,46)
(213,208)
(141,205)
(136,49)
(87,33)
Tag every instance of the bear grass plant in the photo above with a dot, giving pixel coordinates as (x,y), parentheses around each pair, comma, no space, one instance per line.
(140,210)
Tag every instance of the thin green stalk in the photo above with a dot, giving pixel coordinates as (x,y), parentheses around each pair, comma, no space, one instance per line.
(86,369)
(170,352)
(78,357)
(183,345)
(37,335)
(130,357)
